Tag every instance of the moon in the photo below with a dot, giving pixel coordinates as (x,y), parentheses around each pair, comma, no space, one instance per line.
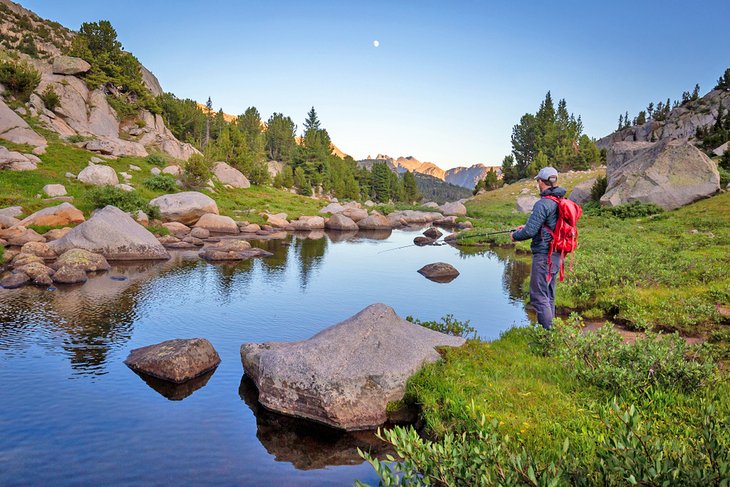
(376,43)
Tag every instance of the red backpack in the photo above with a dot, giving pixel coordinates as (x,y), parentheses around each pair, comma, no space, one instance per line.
(565,235)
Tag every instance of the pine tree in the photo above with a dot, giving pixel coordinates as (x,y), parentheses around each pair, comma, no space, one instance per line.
(381,182)
(620,122)
(410,188)
(695,93)
(650,109)
(641,119)
(301,182)
(724,82)
(725,160)
(208,115)
(508,175)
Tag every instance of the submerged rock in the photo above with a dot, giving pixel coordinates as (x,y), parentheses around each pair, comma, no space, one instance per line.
(83,260)
(232,250)
(433,233)
(346,375)
(422,241)
(176,360)
(69,275)
(15,280)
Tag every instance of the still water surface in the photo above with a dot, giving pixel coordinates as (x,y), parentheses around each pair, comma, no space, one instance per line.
(71,413)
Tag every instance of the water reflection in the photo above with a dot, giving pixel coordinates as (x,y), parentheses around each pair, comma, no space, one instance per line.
(516,267)
(176,392)
(304,444)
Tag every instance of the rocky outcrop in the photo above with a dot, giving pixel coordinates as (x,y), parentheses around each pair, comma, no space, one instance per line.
(16,130)
(468,177)
(175,360)
(113,234)
(186,207)
(231,176)
(54,216)
(346,375)
(98,175)
(453,209)
(667,173)
(18,235)
(71,267)
(15,161)
(307,223)
(70,65)
(581,193)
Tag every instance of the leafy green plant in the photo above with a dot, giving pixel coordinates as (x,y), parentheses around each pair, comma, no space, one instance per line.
(628,210)
(129,201)
(2,254)
(448,325)
(50,98)
(161,182)
(19,78)
(158,230)
(76,138)
(155,160)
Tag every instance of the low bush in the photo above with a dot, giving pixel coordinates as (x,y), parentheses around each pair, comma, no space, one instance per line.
(628,210)
(161,182)
(19,78)
(196,172)
(129,201)
(50,98)
(603,359)
(158,230)
(154,159)
(448,325)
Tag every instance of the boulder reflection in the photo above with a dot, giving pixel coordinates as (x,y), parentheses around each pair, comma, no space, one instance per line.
(176,392)
(305,444)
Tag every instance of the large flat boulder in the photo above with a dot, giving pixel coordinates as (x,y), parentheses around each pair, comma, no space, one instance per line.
(60,215)
(113,234)
(376,221)
(98,175)
(217,223)
(668,173)
(346,375)
(230,176)
(70,65)
(175,360)
(186,207)
(341,223)
(455,208)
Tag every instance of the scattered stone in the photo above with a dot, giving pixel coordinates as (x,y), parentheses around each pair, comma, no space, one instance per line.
(21,259)
(96,160)
(346,375)
(228,175)
(355,214)
(113,234)
(19,235)
(422,241)
(168,240)
(175,360)
(431,204)
(453,209)
(250,228)
(53,190)
(439,272)
(369,204)
(186,207)
(15,280)
(333,208)
(39,151)
(69,275)
(277,221)
(200,233)
(193,241)
(526,203)
(132,167)
(142,218)
(217,223)
(155,171)
(15,161)
(374,222)
(56,233)
(11,211)
(175,171)
(81,259)
(70,65)
(98,175)
(70,175)
(37,272)
(40,249)
(232,250)
(63,214)
(177,229)
(433,233)
(464,225)
(124,187)
(8,221)
(308,223)
(341,223)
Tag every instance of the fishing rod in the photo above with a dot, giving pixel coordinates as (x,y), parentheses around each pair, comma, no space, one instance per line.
(458,238)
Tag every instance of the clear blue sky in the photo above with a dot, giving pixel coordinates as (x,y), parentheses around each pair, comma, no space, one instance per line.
(449,79)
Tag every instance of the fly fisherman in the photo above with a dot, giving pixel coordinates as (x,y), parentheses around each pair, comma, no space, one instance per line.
(544,214)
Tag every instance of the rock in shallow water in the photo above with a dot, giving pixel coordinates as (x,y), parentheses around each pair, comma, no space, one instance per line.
(346,375)
(439,272)
(176,360)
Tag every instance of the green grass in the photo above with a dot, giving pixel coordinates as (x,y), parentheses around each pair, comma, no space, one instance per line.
(21,188)
(667,271)
(538,400)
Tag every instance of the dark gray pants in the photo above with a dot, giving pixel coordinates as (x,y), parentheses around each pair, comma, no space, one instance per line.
(542,293)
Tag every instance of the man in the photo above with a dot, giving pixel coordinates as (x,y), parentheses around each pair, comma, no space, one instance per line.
(544,214)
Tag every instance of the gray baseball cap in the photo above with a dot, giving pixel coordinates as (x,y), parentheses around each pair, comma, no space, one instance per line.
(547,174)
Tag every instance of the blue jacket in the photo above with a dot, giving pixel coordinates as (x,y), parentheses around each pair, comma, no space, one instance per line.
(544,213)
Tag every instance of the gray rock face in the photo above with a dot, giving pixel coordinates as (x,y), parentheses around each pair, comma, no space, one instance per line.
(340,222)
(668,173)
(230,175)
(113,234)
(16,130)
(175,360)
(346,375)
(581,193)
(70,65)
(525,203)
(8,221)
(439,272)
(12,211)
(98,175)
(151,81)
(186,207)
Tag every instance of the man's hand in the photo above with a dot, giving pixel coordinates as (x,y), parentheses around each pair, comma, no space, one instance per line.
(511,234)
